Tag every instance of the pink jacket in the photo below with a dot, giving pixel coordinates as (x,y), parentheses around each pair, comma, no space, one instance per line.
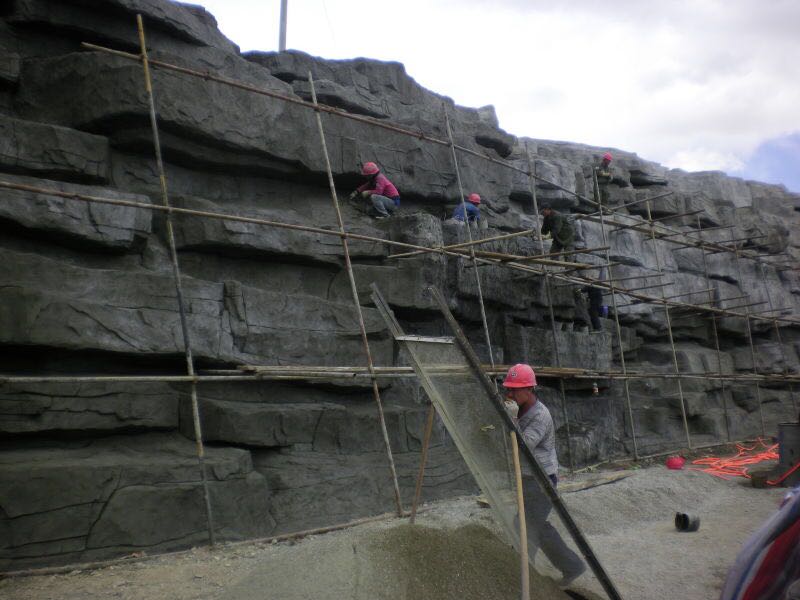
(380,186)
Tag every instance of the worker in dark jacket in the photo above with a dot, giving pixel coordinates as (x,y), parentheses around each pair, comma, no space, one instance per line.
(555,224)
(605,176)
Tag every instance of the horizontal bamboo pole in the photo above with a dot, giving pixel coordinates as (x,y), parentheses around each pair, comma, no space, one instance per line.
(259,373)
(651,221)
(466,244)
(626,205)
(695,231)
(705,291)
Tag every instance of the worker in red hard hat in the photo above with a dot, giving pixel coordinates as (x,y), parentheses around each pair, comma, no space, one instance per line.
(604,176)
(379,190)
(473,201)
(539,434)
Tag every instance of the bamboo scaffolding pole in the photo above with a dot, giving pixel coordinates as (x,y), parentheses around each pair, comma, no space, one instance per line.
(647,287)
(686,214)
(669,329)
(472,251)
(502,257)
(749,304)
(525,580)
(627,204)
(548,259)
(617,327)
(710,289)
(712,247)
(698,231)
(357,302)
(764,312)
(322,373)
(616,279)
(426,440)
(778,337)
(465,244)
(749,333)
(548,294)
(715,334)
(176,273)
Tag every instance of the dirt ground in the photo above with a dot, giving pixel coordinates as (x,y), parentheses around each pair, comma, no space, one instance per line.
(452,553)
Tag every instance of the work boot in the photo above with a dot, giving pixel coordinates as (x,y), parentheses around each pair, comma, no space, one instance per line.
(568,578)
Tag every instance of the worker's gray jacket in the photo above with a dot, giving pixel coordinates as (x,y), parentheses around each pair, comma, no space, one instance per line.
(540,436)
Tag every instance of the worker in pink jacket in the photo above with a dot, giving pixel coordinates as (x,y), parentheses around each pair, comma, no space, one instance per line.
(379,190)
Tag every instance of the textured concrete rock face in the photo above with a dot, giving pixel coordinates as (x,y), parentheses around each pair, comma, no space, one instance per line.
(97,469)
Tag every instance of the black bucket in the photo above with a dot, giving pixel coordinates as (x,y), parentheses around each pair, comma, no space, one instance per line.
(684,522)
(789,451)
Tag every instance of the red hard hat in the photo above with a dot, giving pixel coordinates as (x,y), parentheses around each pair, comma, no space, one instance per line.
(520,376)
(369,168)
(474,198)
(607,156)
(675,463)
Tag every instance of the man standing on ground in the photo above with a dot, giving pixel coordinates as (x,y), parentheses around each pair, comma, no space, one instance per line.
(539,434)
(560,228)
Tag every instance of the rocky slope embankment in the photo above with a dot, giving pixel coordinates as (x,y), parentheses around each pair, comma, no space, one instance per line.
(96,470)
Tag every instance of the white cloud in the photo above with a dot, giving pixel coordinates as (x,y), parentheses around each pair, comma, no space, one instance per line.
(689,82)
(705,159)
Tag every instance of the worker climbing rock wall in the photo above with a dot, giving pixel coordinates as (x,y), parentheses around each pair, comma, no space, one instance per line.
(102,469)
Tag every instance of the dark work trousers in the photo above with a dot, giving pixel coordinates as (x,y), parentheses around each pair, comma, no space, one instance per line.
(594,315)
(541,534)
(595,305)
(557,247)
(582,314)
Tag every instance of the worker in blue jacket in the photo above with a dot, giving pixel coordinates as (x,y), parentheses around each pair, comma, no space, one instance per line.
(473,212)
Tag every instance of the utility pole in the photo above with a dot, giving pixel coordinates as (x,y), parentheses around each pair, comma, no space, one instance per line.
(282,38)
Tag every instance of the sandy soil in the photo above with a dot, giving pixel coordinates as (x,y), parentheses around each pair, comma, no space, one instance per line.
(453,555)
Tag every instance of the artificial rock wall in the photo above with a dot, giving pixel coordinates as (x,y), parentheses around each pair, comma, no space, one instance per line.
(91,471)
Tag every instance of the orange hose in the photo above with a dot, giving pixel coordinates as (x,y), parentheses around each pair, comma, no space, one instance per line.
(737,465)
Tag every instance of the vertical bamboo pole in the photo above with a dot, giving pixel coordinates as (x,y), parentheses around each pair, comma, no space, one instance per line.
(176,272)
(426,440)
(356,301)
(549,299)
(469,239)
(669,329)
(749,333)
(525,580)
(599,200)
(716,336)
(778,337)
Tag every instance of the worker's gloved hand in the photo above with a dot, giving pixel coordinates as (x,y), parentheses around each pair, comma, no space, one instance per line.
(547,236)
(512,408)
(366,195)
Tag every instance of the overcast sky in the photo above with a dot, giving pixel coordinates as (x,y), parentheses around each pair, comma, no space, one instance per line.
(694,84)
